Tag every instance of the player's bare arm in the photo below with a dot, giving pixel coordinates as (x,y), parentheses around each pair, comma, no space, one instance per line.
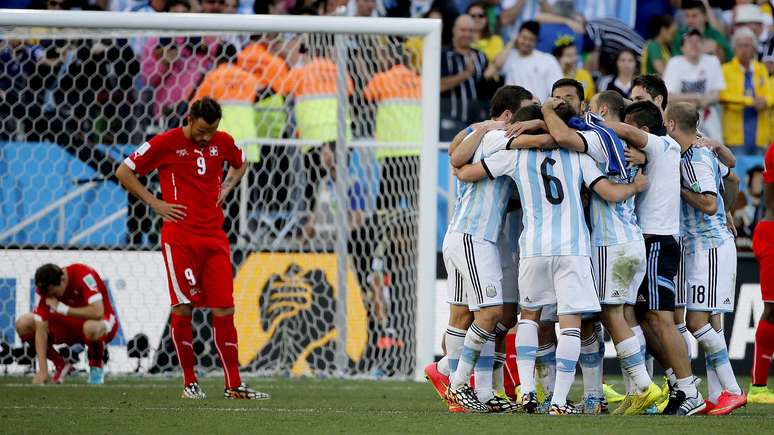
(41,349)
(232,179)
(632,135)
(93,311)
(635,156)
(565,136)
(704,202)
(724,154)
(730,193)
(533,141)
(462,153)
(520,127)
(614,192)
(168,212)
(472,172)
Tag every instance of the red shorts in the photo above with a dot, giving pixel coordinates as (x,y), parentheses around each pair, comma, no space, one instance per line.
(763,247)
(198,269)
(69,330)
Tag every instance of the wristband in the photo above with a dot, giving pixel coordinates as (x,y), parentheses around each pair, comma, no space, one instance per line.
(62,309)
(469,130)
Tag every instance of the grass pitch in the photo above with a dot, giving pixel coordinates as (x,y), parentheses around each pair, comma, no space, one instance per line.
(308,406)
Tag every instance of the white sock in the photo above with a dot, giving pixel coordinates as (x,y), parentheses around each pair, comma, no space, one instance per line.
(687,386)
(526,348)
(475,339)
(590,363)
(714,347)
(455,339)
(545,367)
(483,372)
(633,365)
(567,353)
(687,338)
(637,330)
(670,374)
(713,382)
(443,365)
(498,376)
(600,330)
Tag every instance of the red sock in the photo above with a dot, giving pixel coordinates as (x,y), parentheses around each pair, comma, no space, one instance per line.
(764,348)
(225,336)
(182,337)
(95,351)
(51,353)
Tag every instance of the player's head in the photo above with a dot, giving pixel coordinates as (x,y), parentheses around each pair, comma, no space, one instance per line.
(645,116)
(507,100)
(527,113)
(203,119)
(571,91)
(50,280)
(682,117)
(527,37)
(650,88)
(607,104)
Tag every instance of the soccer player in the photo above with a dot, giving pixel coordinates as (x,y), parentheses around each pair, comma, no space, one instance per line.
(74,308)
(763,247)
(190,162)
(709,257)
(554,265)
(658,214)
(619,257)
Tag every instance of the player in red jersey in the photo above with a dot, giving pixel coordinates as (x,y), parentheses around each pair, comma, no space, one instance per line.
(74,308)
(195,248)
(763,246)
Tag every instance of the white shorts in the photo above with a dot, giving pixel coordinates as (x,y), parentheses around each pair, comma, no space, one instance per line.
(510,267)
(710,278)
(618,271)
(566,281)
(474,273)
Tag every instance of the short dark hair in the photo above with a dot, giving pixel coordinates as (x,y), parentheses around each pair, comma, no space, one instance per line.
(684,114)
(561,83)
(659,22)
(171,3)
(613,100)
(693,4)
(532,26)
(527,113)
(508,98)
(46,276)
(654,86)
(207,109)
(646,114)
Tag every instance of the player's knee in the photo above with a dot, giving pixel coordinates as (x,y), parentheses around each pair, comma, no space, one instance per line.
(489,317)
(768,312)
(509,318)
(660,321)
(25,324)
(695,321)
(460,318)
(93,330)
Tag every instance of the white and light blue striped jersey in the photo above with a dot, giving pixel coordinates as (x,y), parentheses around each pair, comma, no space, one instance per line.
(480,206)
(701,173)
(612,223)
(549,185)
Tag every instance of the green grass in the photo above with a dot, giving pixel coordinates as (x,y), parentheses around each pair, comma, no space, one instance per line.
(307,406)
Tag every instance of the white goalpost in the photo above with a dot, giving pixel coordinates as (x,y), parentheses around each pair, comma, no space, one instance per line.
(333,228)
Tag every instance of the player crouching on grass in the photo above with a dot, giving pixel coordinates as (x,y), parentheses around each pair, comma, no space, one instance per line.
(190,162)
(74,308)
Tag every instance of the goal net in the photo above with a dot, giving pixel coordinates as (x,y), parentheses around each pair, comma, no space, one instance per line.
(332,228)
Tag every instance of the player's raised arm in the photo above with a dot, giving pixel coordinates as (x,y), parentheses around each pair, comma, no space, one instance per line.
(168,212)
(614,192)
(562,134)
(632,135)
(461,155)
(472,172)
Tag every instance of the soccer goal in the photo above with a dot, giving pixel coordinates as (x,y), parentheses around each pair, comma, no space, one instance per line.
(332,229)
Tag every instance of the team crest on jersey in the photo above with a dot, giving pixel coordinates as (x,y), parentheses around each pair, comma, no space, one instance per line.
(491,291)
(90,282)
(182,152)
(213,151)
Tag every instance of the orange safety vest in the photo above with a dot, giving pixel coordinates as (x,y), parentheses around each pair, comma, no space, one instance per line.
(266,67)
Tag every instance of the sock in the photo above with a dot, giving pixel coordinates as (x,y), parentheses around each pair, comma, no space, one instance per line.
(475,339)
(714,347)
(526,349)
(670,374)
(443,365)
(633,365)
(51,353)
(498,372)
(713,382)
(600,331)
(545,367)
(590,362)
(687,338)
(637,330)
(225,337)
(182,338)
(567,353)
(95,350)
(687,386)
(764,349)
(483,372)
(455,338)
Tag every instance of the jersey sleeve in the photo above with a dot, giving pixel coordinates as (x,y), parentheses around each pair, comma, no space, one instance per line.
(595,148)
(90,288)
(495,141)
(235,156)
(147,157)
(591,172)
(698,176)
(500,163)
(654,147)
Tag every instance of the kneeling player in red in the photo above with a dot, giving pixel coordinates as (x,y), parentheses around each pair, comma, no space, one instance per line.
(74,308)
(194,246)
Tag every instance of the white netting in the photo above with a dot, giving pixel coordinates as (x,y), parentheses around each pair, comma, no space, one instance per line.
(75,102)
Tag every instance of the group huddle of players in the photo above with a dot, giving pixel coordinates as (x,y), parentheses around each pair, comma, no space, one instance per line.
(623,224)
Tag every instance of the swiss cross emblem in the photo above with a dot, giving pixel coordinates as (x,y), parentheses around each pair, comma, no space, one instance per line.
(213,151)
(182,152)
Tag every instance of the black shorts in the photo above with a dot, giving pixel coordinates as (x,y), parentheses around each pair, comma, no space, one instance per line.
(657,291)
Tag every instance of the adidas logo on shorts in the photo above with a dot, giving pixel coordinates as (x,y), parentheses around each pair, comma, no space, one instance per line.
(616,294)
(727,301)
(640,298)
(526,299)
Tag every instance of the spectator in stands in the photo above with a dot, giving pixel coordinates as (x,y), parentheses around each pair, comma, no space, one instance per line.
(213,6)
(566,53)
(625,69)
(178,6)
(485,41)
(525,66)
(148,6)
(749,207)
(462,76)
(515,12)
(696,18)
(270,7)
(656,52)
(747,98)
(697,78)
(362,8)
(751,17)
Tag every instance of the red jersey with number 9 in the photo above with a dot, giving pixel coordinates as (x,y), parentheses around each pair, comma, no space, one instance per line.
(189,175)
